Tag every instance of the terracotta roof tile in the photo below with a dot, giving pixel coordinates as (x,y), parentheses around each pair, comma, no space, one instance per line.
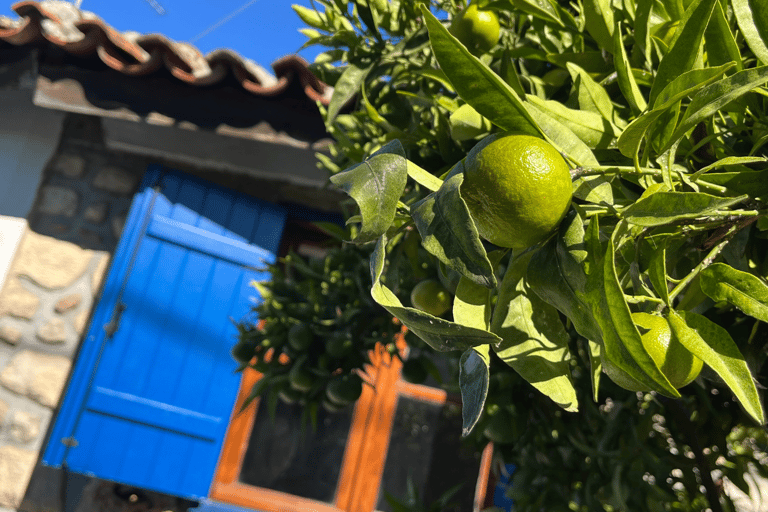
(83,33)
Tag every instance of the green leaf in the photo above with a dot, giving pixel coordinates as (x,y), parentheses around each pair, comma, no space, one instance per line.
(665,207)
(657,272)
(476,83)
(562,137)
(438,333)
(595,366)
(347,86)
(309,16)
(599,22)
(713,345)
(555,274)
(472,302)
(591,128)
(642,28)
(721,43)
(591,95)
(541,9)
(422,177)
(688,83)
(534,341)
(752,18)
(624,75)
(753,183)
(747,292)
(715,96)
(449,233)
(727,161)
(466,123)
(685,50)
(621,340)
(632,137)
(473,382)
(376,186)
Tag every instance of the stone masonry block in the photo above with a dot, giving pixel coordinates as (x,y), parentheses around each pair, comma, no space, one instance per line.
(95,213)
(116,180)
(71,166)
(58,201)
(10,334)
(16,465)
(54,332)
(40,377)
(24,427)
(15,300)
(49,262)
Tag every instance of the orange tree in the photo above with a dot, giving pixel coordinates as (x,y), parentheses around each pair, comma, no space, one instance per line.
(658,109)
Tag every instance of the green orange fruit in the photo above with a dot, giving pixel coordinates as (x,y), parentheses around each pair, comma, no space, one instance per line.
(478,29)
(675,361)
(517,189)
(344,389)
(430,296)
(300,337)
(300,378)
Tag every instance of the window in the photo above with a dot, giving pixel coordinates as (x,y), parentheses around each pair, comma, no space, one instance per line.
(352,456)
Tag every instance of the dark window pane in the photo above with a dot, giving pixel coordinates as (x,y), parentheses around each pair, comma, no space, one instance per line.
(282,458)
(426,447)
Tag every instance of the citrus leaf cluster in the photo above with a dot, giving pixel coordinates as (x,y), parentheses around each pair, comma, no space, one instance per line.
(659,111)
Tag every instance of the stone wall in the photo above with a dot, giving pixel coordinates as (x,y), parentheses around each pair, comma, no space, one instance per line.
(52,285)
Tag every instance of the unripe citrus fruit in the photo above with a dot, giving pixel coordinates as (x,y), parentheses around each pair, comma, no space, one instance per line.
(477,29)
(517,188)
(300,337)
(430,296)
(675,361)
(344,390)
(300,378)
(243,352)
(290,395)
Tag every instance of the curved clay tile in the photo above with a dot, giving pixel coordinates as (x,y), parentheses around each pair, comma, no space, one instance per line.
(83,33)
(27,30)
(293,65)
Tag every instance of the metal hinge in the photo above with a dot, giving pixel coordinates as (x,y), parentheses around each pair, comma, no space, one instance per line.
(69,442)
(114,323)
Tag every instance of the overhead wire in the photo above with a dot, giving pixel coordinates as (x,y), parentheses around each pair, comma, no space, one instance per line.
(222,21)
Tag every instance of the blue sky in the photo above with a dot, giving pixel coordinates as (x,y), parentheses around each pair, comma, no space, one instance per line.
(262,30)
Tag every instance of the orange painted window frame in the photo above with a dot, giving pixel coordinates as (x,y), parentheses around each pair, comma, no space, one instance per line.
(364,457)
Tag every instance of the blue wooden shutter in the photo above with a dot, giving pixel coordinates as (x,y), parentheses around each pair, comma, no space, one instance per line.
(149,405)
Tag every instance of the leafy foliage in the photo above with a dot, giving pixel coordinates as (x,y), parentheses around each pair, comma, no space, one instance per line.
(659,107)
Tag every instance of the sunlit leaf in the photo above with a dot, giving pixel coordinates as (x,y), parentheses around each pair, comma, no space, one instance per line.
(449,233)
(347,86)
(476,83)
(376,186)
(747,292)
(442,335)
(752,17)
(665,207)
(713,345)
(534,341)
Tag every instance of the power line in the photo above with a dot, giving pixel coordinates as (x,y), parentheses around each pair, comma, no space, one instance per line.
(223,20)
(156,6)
